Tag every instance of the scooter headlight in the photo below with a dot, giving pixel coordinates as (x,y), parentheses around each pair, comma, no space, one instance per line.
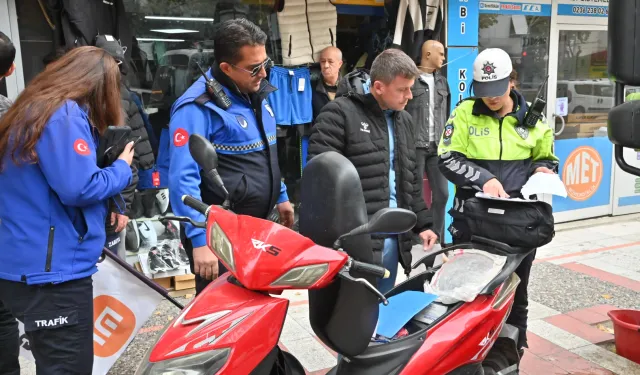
(221,246)
(302,277)
(209,362)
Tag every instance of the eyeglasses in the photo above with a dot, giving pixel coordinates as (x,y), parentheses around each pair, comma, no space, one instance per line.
(256,69)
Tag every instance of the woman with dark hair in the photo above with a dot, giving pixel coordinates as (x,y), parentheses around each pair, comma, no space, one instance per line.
(53,208)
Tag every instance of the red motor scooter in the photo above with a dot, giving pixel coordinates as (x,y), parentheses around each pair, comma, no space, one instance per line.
(233,327)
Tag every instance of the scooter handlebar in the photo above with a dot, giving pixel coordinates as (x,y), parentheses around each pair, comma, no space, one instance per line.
(195,204)
(370,269)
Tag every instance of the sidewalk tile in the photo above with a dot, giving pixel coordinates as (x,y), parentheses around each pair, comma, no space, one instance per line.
(532,364)
(540,311)
(588,316)
(619,365)
(575,364)
(617,229)
(541,347)
(556,335)
(580,329)
(602,309)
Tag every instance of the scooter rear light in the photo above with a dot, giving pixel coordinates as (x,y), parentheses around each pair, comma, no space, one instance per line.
(209,363)
(302,277)
(508,288)
(221,246)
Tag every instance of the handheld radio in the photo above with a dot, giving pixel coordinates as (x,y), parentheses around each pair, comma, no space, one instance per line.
(215,91)
(534,114)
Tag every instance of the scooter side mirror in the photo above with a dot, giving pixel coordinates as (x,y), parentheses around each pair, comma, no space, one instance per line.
(203,152)
(624,41)
(206,156)
(624,69)
(385,221)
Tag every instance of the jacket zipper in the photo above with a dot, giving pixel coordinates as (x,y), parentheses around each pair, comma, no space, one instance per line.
(47,267)
(398,178)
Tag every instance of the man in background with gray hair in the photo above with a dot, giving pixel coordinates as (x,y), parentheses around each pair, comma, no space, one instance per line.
(325,90)
(375,133)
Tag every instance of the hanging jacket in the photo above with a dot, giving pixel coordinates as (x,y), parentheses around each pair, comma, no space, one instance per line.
(306,27)
(78,22)
(82,20)
(52,212)
(416,21)
(322,17)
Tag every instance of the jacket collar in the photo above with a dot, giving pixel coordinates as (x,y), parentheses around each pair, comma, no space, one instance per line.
(438,78)
(369,102)
(320,87)
(265,87)
(520,110)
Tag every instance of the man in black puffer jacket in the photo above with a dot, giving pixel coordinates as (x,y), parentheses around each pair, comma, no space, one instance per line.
(359,126)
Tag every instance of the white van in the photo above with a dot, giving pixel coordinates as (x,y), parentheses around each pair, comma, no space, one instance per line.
(587,95)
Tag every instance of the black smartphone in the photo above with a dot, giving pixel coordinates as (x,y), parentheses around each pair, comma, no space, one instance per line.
(111,144)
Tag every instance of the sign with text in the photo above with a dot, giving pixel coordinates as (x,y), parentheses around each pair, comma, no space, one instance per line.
(463,23)
(584,8)
(515,8)
(585,169)
(460,72)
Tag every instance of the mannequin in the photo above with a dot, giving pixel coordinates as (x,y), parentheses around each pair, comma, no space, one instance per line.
(430,110)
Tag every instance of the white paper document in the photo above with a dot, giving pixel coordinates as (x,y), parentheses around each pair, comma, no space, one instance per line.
(487,196)
(544,183)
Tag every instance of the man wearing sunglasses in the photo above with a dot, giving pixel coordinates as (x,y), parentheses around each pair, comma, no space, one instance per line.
(244,136)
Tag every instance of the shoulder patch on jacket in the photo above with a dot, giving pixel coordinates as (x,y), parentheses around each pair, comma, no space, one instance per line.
(447,134)
(180,137)
(81,147)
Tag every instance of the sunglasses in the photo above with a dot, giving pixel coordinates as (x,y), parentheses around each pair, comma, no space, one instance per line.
(268,63)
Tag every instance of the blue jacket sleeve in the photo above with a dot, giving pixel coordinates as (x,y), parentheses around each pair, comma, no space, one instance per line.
(67,158)
(284,197)
(184,172)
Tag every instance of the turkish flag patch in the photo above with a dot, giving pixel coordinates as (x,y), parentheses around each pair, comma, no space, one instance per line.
(81,147)
(180,137)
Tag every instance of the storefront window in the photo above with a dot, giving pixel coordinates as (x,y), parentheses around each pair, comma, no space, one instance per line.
(582,79)
(526,39)
(173,37)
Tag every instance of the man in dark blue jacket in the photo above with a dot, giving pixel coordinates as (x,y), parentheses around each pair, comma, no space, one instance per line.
(244,136)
